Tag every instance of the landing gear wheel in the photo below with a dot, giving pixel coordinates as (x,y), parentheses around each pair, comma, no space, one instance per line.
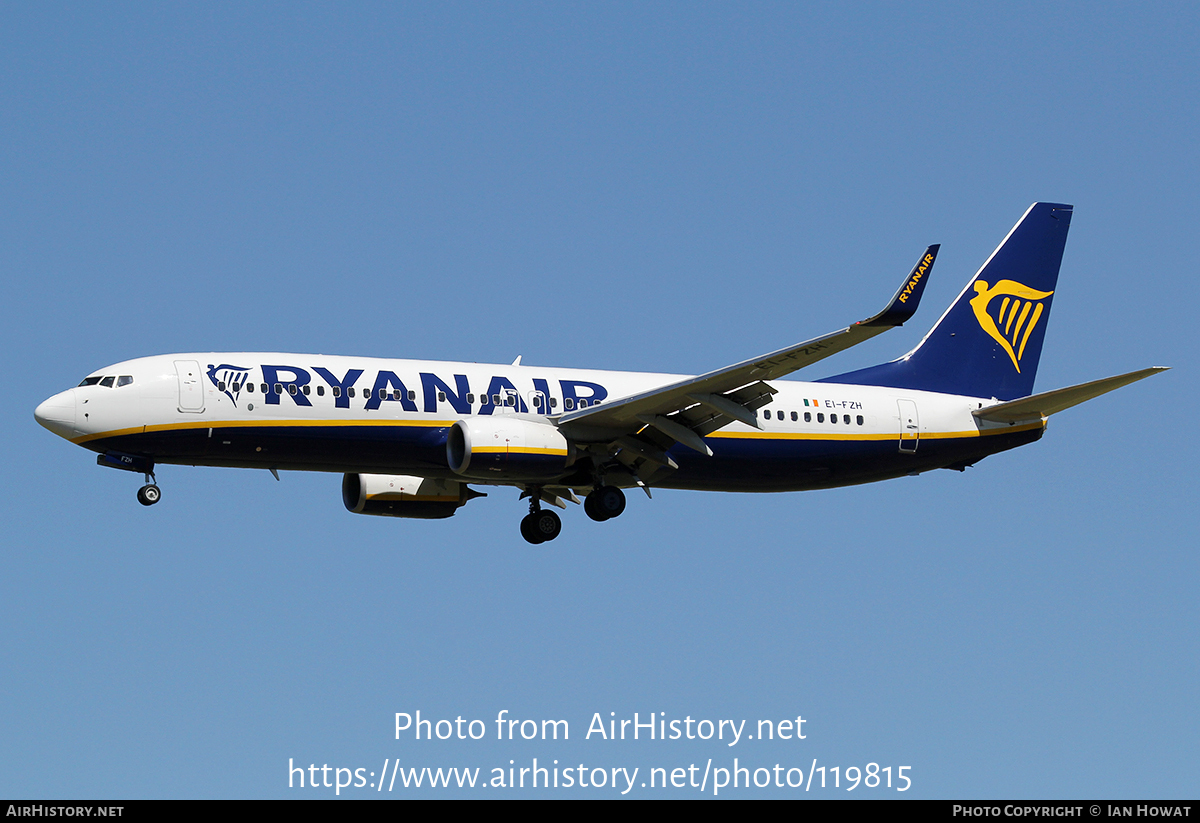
(149,494)
(591,505)
(604,503)
(529,529)
(546,524)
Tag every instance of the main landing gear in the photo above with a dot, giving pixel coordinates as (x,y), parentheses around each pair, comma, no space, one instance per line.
(604,503)
(540,525)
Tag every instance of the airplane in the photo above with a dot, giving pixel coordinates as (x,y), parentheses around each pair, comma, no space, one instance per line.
(411,437)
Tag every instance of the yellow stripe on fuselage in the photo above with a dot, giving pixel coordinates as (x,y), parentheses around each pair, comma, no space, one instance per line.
(409,423)
(925,435)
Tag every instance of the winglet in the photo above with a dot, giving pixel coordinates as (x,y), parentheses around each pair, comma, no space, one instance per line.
(904,303)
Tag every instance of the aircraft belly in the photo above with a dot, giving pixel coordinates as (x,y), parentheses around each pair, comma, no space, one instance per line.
(751,464)
(767,465)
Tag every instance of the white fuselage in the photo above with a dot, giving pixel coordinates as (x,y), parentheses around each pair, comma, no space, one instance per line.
(358,414)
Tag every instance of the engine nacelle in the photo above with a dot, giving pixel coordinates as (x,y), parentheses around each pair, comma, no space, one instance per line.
(501,446)
(398,495)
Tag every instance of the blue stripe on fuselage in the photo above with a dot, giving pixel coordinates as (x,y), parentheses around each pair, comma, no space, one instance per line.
(738,463)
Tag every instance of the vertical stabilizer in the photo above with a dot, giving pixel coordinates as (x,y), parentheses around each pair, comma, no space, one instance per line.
(988,342)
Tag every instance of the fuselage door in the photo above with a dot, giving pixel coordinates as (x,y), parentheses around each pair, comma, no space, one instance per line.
(910,426)
(509,401)
(191,390)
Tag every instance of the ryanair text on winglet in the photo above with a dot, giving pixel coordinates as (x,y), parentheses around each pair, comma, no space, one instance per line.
(922,267)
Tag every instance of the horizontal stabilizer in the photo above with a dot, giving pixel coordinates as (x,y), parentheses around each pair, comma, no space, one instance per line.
(1048,403)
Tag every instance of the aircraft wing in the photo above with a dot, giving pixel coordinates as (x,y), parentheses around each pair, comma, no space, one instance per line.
(685,411)
(1048,403)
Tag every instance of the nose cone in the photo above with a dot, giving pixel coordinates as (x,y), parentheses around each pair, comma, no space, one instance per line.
(58,414)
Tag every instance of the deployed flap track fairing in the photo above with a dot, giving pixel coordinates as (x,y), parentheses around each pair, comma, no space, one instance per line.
(409,436)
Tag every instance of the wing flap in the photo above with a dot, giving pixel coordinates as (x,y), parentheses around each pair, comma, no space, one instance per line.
(705,418)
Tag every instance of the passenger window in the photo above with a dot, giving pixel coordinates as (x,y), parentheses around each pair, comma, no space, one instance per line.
(537,401)
(306,390)
(510,401)
(249,388)
(583,403)
(107,382)
(337,391)
(124,380)
(265,388)
(795,417)
(860,422)
(846,419)
(279,388)
(220,385)
(292,389)
(808,417)
(767,414)
(320,391)
(412,395)
(779,415)
(553,402)
(350,392)
(820,417)
(441,397)
(470,399)
(89,381)
(833,418)
(495,400)
(395,394)
(569,403)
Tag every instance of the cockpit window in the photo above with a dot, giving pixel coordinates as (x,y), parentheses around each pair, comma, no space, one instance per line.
(90,381)
(124,380)
(107,382)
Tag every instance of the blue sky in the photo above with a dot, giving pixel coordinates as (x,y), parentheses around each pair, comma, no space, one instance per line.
(666,187)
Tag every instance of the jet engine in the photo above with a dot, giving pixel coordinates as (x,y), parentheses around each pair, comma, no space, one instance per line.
(398,495)
(504,447)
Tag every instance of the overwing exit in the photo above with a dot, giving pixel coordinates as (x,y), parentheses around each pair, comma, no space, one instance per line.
(411,437)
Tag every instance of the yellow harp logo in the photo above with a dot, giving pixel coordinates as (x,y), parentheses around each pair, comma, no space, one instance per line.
(1018,314)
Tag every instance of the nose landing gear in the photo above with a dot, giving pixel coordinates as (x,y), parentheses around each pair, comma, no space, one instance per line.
(149,494)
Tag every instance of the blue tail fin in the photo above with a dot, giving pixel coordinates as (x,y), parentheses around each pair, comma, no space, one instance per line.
(988,342)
